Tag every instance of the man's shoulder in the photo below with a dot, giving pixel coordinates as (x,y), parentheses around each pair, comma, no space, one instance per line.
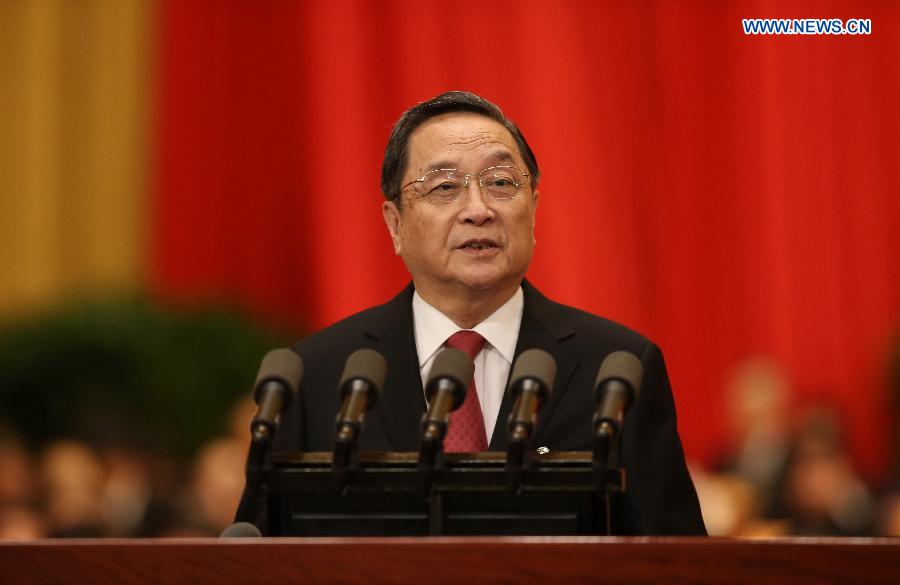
(355,329)
(591,323)
(344,331)
(565,319)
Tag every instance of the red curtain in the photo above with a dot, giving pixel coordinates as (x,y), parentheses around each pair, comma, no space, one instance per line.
(727,195)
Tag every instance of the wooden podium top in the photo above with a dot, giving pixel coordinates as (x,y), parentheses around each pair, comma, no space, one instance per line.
(794,561)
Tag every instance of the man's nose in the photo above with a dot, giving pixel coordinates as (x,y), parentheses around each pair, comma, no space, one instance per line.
(476,208)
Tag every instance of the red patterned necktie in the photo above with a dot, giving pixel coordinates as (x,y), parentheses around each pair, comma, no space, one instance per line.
(466,430)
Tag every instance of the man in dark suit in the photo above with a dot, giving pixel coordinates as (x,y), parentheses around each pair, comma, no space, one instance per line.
(460,184)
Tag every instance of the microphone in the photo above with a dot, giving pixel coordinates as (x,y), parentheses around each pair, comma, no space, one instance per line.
(361,383)
(530,383)
(618,383)
(445,391)
(276,384)
(241,530)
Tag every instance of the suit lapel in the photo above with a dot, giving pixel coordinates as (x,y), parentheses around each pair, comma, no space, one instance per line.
(542,328)
(402,400)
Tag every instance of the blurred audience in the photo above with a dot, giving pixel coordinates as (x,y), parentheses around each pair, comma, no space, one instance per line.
(75,490)
(780,478)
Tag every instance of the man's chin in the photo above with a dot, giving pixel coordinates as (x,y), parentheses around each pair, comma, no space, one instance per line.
(487,282)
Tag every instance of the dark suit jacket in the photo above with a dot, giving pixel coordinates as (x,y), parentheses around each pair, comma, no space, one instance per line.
(660,497)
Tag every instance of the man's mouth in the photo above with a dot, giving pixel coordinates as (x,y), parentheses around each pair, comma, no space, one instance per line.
(479,245)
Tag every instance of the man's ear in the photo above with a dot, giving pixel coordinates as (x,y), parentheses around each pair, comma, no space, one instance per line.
(393,220)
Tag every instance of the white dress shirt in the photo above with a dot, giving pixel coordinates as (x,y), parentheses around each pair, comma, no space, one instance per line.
(500,330)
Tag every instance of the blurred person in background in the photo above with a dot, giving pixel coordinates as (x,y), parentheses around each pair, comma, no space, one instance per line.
(894,382)
(730,505)
(21,523)
(166,514)
(17,484)
(239,418)
(126,491)
(889,516)
(72,477)
(758,397)
(823,494)
(217,483)
(216,480)
(20,517)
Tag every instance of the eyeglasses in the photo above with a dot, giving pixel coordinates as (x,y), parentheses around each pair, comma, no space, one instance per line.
(446,185)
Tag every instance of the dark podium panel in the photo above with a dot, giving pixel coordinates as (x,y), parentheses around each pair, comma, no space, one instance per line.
(470,494)
(472,561)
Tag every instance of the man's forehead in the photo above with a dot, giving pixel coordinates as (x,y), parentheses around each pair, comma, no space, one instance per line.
(447,139)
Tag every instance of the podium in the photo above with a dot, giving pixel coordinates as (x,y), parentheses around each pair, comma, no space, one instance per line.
(469,494)
(623,561)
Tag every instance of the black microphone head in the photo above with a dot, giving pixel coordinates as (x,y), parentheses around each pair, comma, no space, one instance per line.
(451,363)
(241,530)
(368,365)
(623,366)
(281,365)
(534,364)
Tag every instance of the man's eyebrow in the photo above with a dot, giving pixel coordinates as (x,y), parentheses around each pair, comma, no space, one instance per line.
(441,164)
(502,156)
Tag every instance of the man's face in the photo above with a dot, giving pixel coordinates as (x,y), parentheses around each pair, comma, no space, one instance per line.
(436,240)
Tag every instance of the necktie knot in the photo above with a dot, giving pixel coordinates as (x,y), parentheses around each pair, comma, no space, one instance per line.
(469,342)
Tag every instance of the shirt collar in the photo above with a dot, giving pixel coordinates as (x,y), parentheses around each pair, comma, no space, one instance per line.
(500,329)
